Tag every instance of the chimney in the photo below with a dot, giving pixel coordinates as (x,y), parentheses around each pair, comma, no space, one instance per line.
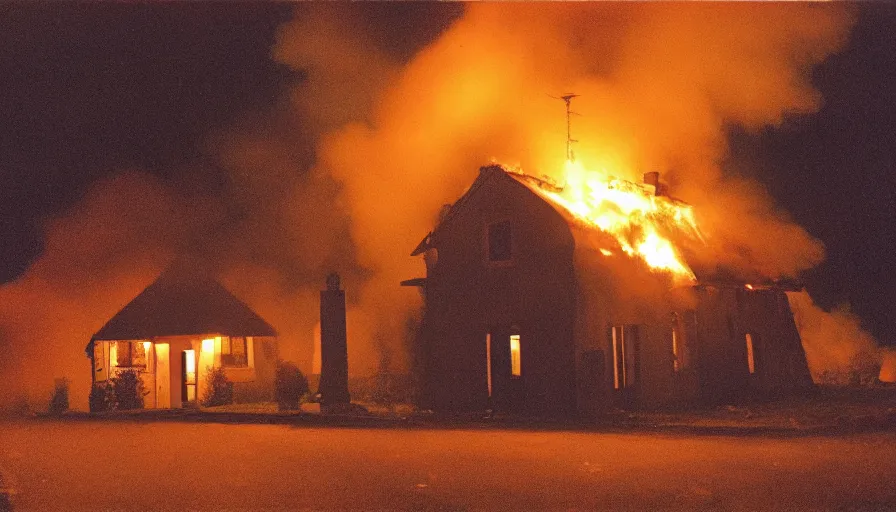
(653,179)
(333,386)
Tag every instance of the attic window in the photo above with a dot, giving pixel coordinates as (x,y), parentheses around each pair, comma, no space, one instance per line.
(500,241)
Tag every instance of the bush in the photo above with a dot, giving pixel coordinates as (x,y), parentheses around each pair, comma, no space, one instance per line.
(127,390)
(101,397)
(59,400)
(219,390)
(290,385)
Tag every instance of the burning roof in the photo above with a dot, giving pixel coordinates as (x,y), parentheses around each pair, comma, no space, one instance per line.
(641,220)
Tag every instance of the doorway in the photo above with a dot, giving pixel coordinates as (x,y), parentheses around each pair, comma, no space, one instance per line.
(188,377)
(163,376)
(504,357)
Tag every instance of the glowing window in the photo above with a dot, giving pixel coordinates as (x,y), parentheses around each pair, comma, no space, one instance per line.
(488,362)
(500,246)
(626,346)
(190,366)
(515,362)
(751,362)
(234,352)
(676,362)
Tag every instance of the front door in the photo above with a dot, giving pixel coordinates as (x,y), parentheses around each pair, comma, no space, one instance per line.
(506,367)
(188,377)
(163,376)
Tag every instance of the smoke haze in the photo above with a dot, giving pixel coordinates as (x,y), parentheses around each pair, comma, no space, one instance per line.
(393,118)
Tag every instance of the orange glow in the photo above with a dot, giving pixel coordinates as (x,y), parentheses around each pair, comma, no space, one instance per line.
(751,363)
(208,345)
(190,361)
(633,214)
(748,286)
(515,361)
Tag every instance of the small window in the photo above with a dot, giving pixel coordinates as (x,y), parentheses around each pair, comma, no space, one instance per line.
(130,354)
(515,361)
(679,344)
(500,241)
(626,346)
(488,362)
(676,351)
(751,354)
(234,353)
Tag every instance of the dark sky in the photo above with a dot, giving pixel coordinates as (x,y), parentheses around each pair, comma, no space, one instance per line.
(87,90)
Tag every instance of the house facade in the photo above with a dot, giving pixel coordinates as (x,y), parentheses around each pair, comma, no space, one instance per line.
(179,328)
(524,313)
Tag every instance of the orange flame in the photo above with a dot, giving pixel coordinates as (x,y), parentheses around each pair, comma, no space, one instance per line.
(632,213)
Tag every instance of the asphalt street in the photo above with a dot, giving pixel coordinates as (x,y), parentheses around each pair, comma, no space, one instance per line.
(130,465)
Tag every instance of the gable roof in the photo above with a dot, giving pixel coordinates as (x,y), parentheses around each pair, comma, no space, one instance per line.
(182,302)
(707,274)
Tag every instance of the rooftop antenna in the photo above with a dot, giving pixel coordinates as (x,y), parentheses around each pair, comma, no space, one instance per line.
(567,98)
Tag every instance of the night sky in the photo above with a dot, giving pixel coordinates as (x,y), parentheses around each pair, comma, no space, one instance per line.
(89,90)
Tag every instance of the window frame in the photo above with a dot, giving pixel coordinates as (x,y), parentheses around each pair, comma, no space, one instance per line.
(131,349)
(226,358)
(487,243)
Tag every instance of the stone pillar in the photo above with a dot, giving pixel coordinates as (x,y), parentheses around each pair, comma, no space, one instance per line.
(333,386)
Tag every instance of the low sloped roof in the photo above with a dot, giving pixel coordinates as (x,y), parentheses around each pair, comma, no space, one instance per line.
(182,302)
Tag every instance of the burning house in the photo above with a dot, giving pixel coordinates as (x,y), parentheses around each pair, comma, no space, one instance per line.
(564,301)
(176,330)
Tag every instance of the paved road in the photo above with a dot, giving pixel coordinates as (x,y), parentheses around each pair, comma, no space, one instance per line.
(140,466)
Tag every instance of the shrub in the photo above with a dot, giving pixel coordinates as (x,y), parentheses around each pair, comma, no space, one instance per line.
(219,390)
(59,400)
(127,390)
(289,386)
(101,397)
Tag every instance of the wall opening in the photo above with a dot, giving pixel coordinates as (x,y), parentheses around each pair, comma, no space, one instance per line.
(626,348)
(515,360)
(488,362)
(751,353)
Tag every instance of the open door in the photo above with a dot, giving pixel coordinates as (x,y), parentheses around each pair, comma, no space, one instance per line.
(505,381)
(163,376)
(188,377)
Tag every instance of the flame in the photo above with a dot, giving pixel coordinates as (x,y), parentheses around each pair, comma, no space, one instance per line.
(633,214)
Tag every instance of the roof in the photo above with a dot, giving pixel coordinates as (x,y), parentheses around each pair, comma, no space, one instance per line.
(184,302)
(539,187)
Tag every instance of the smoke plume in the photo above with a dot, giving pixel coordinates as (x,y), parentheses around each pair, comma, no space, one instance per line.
(392,119)
(658,85)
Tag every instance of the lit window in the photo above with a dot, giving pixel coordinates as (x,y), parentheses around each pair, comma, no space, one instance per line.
(500,246)
(488,361)
(233,352)
(515,362)
(676,362)
(625,344)
(751,361)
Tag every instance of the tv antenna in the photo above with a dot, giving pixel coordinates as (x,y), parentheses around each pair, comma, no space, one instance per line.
(567,98)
